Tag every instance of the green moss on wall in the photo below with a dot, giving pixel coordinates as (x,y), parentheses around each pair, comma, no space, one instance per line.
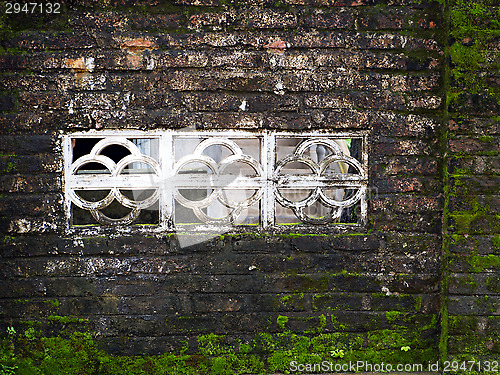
(474,24)
(479,263)
(75,352)
(495,241)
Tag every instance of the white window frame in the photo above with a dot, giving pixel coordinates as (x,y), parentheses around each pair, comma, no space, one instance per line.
(268,182)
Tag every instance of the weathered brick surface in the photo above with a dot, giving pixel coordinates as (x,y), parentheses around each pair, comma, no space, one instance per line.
(473,227)
(309,64)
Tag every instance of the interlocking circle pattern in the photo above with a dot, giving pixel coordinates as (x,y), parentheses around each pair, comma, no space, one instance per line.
(330,177)
(110,181)
(219,181)
(319,174)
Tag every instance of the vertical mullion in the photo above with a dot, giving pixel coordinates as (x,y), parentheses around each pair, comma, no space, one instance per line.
(364,196)
(364,205)
(268,158)
(167,171)
(68,160)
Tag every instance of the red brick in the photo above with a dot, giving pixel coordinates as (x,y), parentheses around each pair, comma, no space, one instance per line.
(422,185)
(473,144)
(406,204)
(404,165)
(387,146)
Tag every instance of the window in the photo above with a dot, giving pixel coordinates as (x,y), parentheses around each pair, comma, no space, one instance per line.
(201,180)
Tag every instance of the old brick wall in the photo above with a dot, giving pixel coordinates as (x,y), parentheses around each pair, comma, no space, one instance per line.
(472,240)
(375,65)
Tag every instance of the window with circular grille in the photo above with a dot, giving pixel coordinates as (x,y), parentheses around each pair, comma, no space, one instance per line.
(201,180)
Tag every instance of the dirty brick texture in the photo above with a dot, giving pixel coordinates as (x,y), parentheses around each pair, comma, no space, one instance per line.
(299,65)
(472,240)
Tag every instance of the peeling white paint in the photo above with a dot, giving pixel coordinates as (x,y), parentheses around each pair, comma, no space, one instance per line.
(404,41)
(90,64)
(387,291)
(150,63)
(78,243)
(26,226)
(20,226)
(279,88)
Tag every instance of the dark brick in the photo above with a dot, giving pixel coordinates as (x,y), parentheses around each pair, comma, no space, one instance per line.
(212,3)
(359,242)
(459,204)
(492,323)
(182,59)
(289,121)
(409,243)
(460,165)
(149,306)
(343,119)
(337,302)
(474,305)
(404,165)
(474,145)
(405,185)
(477,284)
(399,18)
(460,325)
(476,104)
(241,59)
(7,103)
(335,39)
(130,345)
(474,223)
(404,147)
(276,302)
(415,284)
(474,125)
(155,101)
(157,22)
(486,165)
(422,222)
(462,344)
(269,19)
(337,20)
(29,164)
(14,62)
(414,83)
(466,186)
(223,19)
(405,204)
(30,184)
(105,21)
(393,125)
(423,101)
(17,206)
(26,144)
(35,41)
(23,82)
(410,303)
(31,308)
(365,100)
